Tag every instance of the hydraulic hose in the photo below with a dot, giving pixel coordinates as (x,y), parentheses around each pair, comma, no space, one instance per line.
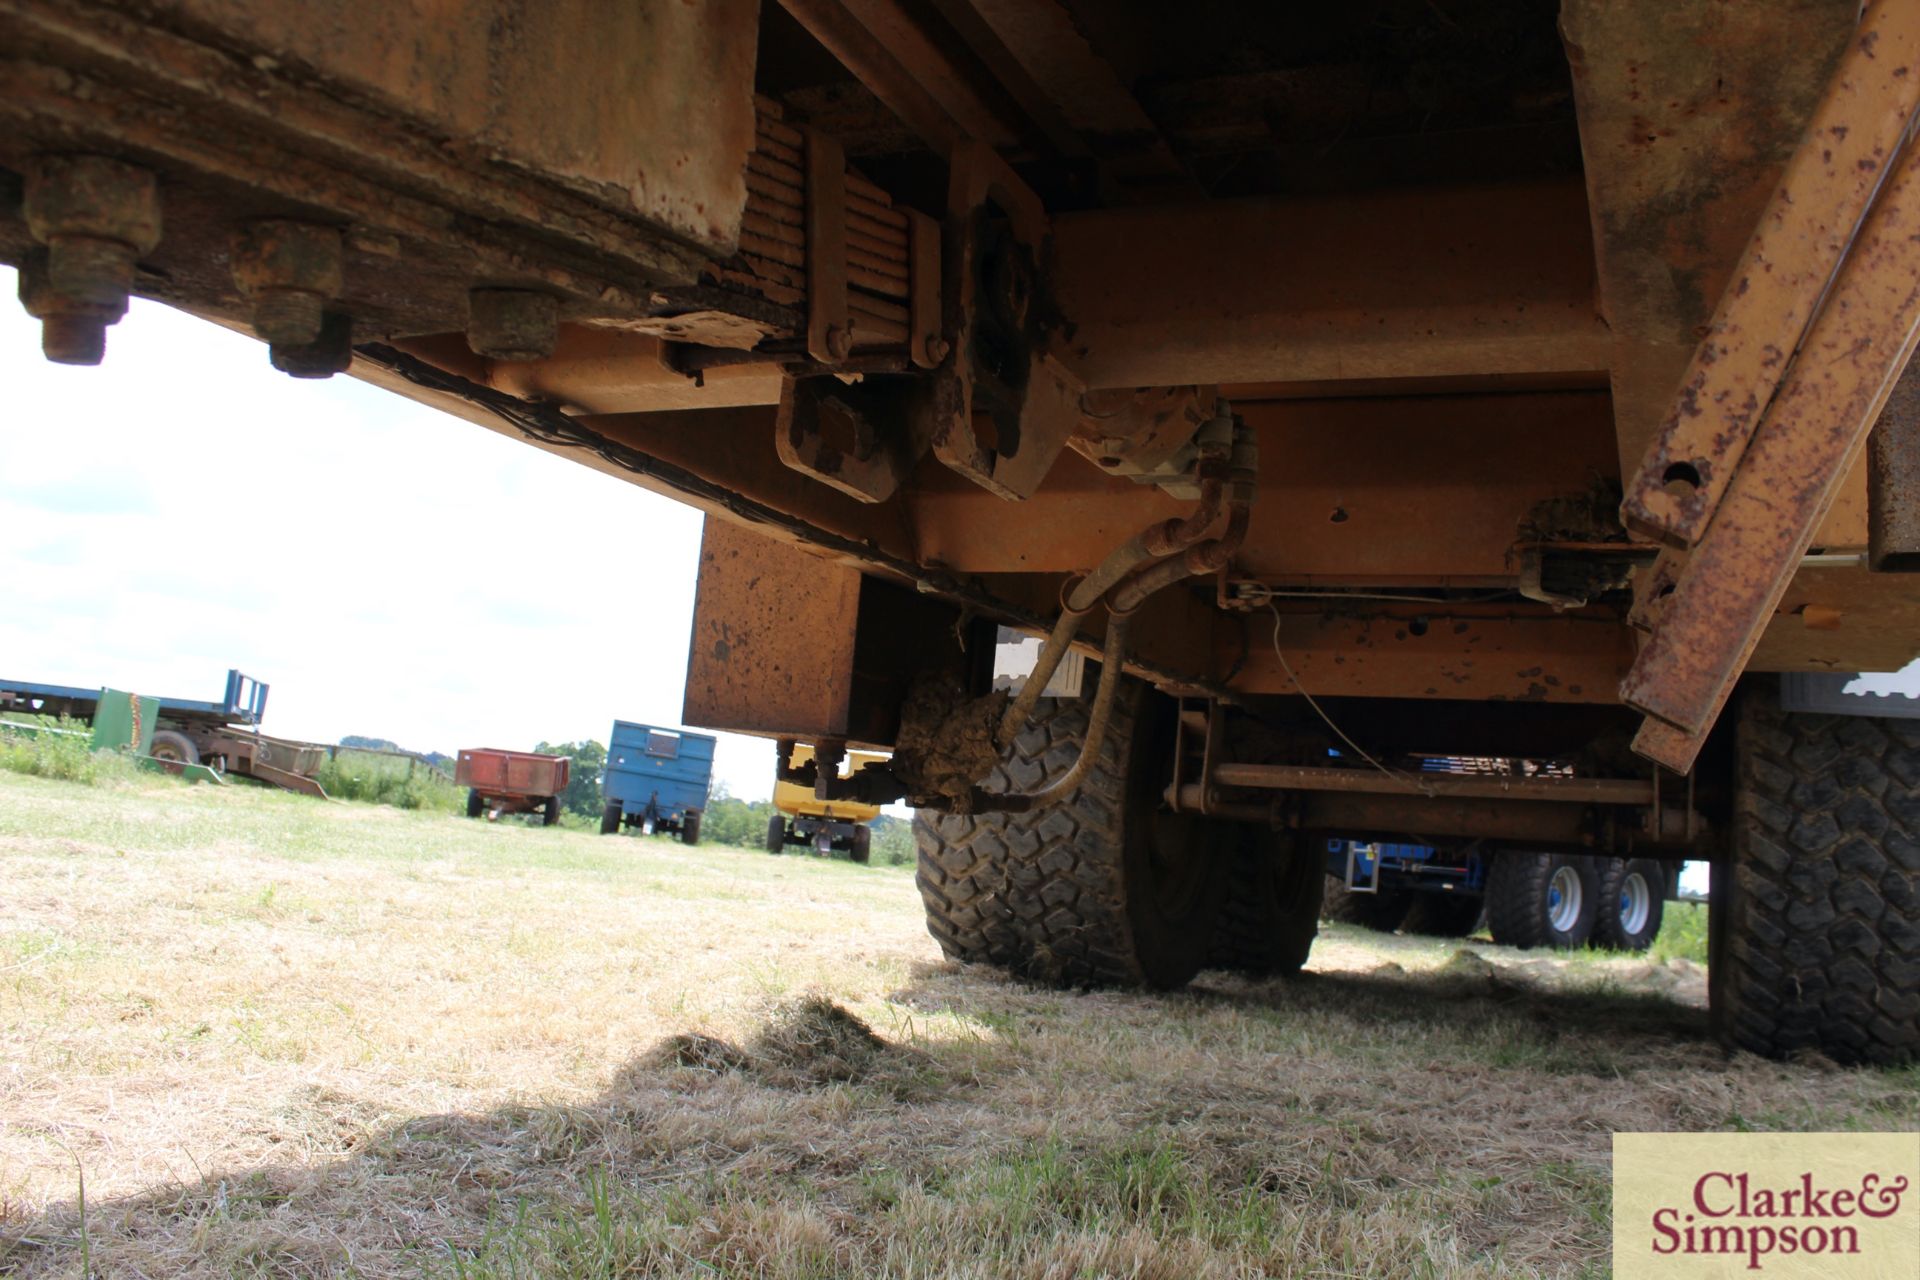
(1208,557)
(1157,540)
(1113,656)
(1020,710)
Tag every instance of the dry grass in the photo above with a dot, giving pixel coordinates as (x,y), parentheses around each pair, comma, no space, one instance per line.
(286,1039)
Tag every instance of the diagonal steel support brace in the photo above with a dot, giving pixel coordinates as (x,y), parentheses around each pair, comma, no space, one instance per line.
(1807,438)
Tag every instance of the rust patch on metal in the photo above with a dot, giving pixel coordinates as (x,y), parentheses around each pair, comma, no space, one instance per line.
(773,637)
(1780,278)
(1893,481)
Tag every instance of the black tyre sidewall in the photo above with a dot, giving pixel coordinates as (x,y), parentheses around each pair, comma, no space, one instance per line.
(610,818)
(1271,917)
(1519,898)
(1608,929)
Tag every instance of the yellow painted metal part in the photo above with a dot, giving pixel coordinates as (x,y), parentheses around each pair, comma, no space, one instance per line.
(793,799)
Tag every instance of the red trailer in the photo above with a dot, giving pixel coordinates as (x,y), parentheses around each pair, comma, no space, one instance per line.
(500,782)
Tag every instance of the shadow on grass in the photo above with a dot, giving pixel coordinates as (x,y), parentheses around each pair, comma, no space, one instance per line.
(1468,1009)
(1240,1126)
(701,1154)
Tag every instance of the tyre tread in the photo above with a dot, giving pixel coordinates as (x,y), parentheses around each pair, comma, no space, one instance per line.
(1822,915)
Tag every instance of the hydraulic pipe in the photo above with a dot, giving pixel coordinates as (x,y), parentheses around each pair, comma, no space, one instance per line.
(1208,557)
(1113,656)
(1020,710)
(1160,539)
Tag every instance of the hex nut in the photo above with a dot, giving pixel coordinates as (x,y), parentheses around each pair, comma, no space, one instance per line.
(72,330)
(291,271)
(329,353)
(96,216)
(512,324)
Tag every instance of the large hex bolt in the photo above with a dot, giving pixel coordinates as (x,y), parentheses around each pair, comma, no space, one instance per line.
(97,217)
(512,324)
(329,353)
(290,271)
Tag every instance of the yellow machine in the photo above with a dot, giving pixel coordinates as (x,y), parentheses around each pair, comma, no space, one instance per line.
(800,818)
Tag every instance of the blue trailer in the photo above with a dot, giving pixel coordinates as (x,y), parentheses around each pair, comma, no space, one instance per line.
(656,780)
(1552,899)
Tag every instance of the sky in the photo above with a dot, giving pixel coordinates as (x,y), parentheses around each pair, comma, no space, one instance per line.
(387,569)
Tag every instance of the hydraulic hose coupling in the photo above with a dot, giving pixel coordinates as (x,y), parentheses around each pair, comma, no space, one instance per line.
(1243,467)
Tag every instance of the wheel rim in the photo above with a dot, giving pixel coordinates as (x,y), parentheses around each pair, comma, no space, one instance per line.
(1636,903)
(1563,900)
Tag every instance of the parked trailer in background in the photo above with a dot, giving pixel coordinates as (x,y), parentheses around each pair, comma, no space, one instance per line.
(656,780)
(224,735)
(500,782)
(1551,899)
(801,818)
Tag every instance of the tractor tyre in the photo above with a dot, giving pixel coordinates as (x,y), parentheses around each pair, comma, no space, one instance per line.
(1542,899)
(776,833)
(1381,912)
(610,818)
(1815,916)
(1632,902)
(1103,887)
(475,805)
(690,828)
(174,746)
(1272,910)
(1443,915)
(550,812)
(860,849)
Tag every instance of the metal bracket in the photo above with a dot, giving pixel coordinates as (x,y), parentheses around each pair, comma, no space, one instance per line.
(1188,722)
(1004,364)
(1373,885)
(925,346)
(829,318)
(835,433)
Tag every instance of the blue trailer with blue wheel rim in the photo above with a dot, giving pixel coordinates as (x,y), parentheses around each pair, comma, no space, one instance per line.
(1526,899)
(656,780)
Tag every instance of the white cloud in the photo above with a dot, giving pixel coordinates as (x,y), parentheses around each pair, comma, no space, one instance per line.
(387,569)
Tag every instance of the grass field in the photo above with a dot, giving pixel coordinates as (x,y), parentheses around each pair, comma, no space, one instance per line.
(243,1033)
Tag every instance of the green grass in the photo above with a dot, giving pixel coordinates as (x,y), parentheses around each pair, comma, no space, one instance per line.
(61,751)
(1683,934)
(286,1037)
(371,778)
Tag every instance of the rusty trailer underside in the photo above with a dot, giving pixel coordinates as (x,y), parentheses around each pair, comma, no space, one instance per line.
(1499,372)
